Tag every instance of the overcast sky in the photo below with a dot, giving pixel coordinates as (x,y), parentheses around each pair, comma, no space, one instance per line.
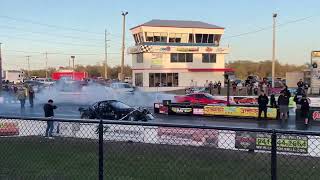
(74,27)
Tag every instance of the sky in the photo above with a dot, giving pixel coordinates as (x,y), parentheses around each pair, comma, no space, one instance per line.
(76,27)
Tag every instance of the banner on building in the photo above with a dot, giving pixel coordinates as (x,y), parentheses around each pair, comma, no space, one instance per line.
(238,111)
(156,60)
(262,141)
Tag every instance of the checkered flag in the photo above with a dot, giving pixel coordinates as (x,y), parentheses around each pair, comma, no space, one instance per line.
(145,48)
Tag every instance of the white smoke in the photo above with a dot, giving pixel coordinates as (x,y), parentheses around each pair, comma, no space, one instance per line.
(95,92)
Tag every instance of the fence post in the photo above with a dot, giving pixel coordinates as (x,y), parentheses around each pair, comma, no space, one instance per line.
(274,155)
(100,132)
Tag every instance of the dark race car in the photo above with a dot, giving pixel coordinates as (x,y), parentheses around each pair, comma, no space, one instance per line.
(115,110)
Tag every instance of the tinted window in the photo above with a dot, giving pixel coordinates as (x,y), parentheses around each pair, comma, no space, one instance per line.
(119,105)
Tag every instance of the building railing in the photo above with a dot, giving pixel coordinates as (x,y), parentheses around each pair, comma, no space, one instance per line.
(102,149)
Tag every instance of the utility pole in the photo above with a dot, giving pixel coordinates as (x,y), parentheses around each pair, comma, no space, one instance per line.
(28,61)
(123,44)
(274,48)
(72,57)
(106,55)
(46,65)
(0,69)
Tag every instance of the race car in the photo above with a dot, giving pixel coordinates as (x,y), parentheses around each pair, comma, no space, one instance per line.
(115,110)
(199,98)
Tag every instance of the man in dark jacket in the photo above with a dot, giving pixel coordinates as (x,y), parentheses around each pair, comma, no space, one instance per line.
(283,102)
(300,84)
(263,101)
(48,113)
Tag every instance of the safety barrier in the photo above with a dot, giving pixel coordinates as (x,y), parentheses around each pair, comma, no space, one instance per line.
(92,149)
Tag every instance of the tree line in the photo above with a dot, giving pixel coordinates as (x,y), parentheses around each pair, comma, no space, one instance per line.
(93,71)
(262,68)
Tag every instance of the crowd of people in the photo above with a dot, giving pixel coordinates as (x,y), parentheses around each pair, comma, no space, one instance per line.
(21,92)
(301,99)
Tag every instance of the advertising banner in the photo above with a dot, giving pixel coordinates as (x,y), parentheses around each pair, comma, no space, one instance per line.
(180,110)
(242,100)
(9,129)
(156,60)
(198,111)
(238,111)
(188,136)
(262,141)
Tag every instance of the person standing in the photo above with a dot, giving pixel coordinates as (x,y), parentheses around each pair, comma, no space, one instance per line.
(305,107)
(219,87)
(206,86)
(211,87)
(300,84)
(48,113)
(283,102)
(31,96)
(263,101)
(234,88)
(21,97)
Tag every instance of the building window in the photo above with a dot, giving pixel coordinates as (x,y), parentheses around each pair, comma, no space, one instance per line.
(191,38)
(156,37)
(139,58)
(181,57)
(163,79)
(138,79)
(205,38)
(209,58)
(178,38)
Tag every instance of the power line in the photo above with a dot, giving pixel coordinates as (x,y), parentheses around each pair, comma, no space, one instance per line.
(62,53)
(48,25)
(50,42)
(269,27)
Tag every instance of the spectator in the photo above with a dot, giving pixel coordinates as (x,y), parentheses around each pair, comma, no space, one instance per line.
(283,102)
(305,107)
(48,113)
(219,87)
(192,84)
(211,87)
(234,88)
(206,85)
(22,97)
(256,88)
(239,87)
(31,96)
(263,101)
(300,84)
(273,102)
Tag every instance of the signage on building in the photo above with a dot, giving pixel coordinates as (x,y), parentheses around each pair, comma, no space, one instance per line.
(156,60)
(262,141)
(209,49)
(165,49)
(187,49)
(238,111)
(315,53)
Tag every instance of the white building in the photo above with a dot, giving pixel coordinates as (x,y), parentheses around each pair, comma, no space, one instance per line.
(13,76)
(169,54)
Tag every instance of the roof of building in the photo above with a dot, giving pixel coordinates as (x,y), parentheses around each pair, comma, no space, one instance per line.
(179,24)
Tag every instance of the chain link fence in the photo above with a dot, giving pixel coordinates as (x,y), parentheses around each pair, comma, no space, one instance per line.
(139,150)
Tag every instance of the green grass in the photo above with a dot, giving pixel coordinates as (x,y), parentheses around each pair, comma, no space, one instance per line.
(66,158)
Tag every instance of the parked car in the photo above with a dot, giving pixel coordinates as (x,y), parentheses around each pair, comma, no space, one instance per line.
(122,87)
(200,98)
(115,110)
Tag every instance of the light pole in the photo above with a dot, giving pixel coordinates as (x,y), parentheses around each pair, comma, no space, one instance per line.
(28,61)
(106,55)
(72,57)
(274,48)
(123,44)
(46,65)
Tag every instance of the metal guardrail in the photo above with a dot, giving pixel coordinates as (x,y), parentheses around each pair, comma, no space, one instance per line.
(104,149)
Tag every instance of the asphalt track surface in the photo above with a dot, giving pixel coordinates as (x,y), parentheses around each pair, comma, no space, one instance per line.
(70,111)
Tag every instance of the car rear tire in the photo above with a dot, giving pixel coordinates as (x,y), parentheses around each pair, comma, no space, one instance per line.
(131,118)
(85,116)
